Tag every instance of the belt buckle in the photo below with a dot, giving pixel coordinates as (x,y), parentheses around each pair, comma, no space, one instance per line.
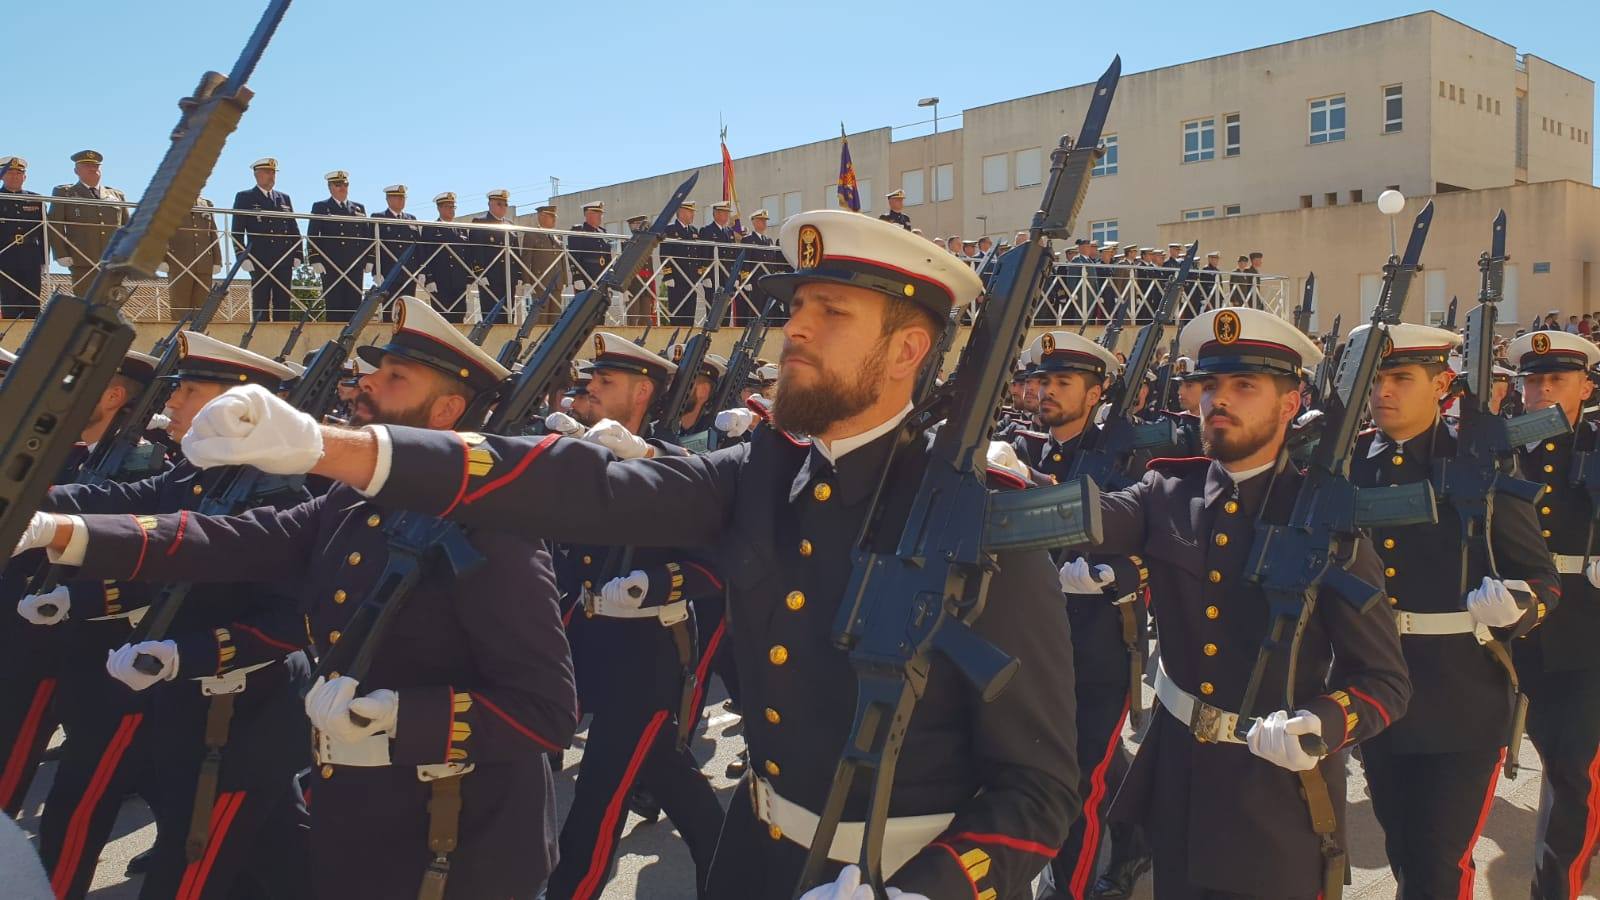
(1402,621)
(1206,720)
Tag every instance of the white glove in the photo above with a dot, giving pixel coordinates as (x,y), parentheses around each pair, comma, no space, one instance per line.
(216,270)
(1493,604)
(848,886)
(366,267)
(119,663)
(330,703)
(1276,739)
(247,266)
(734,422)
(57,599)
(625,591)
(160,422)
(250,426)
(66,261)
(524,291)
(1078,577)
(561,423)
(161,269)
(481,281)
(1592,572)
(40,532)
(317,268)
(1004,456)
(611,435)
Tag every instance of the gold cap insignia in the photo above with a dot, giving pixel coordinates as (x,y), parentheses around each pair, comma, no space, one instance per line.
(1541,343)
(599,345)
(1226,326)
(810,246)
(1048,343)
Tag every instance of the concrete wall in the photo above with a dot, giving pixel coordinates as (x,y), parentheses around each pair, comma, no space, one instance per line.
(1558,102)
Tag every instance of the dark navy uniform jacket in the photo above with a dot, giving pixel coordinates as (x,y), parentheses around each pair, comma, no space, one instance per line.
(1569,637)
(21,227)
(898,218)
(780,523)
(480,664)
(592,254)
(273,240)
(1239,819)
(338,245)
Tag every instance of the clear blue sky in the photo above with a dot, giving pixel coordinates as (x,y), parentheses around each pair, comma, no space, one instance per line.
(475,94)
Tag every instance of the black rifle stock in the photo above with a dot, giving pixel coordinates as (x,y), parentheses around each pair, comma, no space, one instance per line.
(511,351)
(480,331)
(1302,313)
(903,606)
(77,343)
(294,334)
(675,402)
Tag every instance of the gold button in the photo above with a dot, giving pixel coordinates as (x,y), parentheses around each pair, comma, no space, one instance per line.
(587,559)
(1548,469)
(1388,543)
(353,559)
(778,655)
(775,832)
(1212,612)
(588,583)
(1397,459)
(1231,507)
(805,547)
(373,521)
(327,772)
(1549,445)
(198,490)
(771,767)
(1055,457)
(1207,688)
(1388,572)
(772,716)
(1210,649)
(795,600)
(340,596)
(1394,601)
(1544,510)
(1549,489)
(822,492)
(1221,539)
(333,637)
(1215,576)
(1546,532)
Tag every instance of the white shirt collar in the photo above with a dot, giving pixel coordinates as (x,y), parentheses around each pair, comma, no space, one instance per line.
(1247,474)
(840,447)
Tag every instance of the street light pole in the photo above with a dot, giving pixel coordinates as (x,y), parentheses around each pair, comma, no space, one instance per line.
(924,103)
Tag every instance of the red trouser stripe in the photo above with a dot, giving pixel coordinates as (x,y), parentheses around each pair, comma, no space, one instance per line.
(78,825)
(1591,831)
(1090,847)
(1468,870)
(22,748)
(601,857)
(703,671)
(197,872)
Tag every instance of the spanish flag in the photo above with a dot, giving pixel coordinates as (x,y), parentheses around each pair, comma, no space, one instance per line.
(849,197)
(729,194)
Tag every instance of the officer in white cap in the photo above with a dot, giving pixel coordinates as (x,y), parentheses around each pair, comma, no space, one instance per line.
(495,254)
(682,265)
(341,247)
(896,213)
(590,254)
(398,233)
(447,267)
(264,230)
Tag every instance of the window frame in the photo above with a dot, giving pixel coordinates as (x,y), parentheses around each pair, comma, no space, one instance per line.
(1111,162)
(938,170)
(1037,168)
(1329,104)
(916,191)
(1004,180)
(1232,135)
(1200,128)
(1397,122)
(1199,214)
(1104,230)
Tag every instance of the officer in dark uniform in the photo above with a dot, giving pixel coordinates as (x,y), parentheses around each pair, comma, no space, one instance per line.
(719,230)
(590,254)
(472,685)
(762,258)
(230,644)
(1226,817)
(495,252)
(1208,283)
(681,266)
(448,267)
(544,265)
(639,288)
(1557,663)
(395,236)
(80,232)
(341,251)
(21,242)
(757,235)
(272,241)
(1432,774)
(984,791)
(896,213)
(1107,625)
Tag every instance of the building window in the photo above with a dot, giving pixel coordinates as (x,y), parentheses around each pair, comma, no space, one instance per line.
(911,183)
(1028,172)
(792,204)
(1231,134)
(1356,196)
(994,173)
(1199,140)
(1107,164)
(1393,109)
(1102,231)
(1331,198)
(1327,119)
(1195,215)
(1441,89)
(1232,209)
(1452,92)
(1305,201)
(864,188)
(944,182)
(773,204)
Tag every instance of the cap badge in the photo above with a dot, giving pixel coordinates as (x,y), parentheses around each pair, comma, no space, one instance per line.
(1048,343)
(677,353)
(810,246)
(1541,343)
(1226,326)
(599,345)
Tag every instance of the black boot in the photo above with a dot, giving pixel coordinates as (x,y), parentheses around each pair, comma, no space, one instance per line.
(644,803)
(139,864)
(1130,859)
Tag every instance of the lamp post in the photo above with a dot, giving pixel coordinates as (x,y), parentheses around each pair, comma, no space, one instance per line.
(1390,203)
(924,103)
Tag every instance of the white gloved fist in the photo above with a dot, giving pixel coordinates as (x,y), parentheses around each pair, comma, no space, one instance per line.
(247,266)
(625,591)
(119,663)
(1003,456)
(561,423)
(66,261)
(40,532)
(481,281)
(848,886)
(1592,572)
(1078,577)
(47,608)
(330,703)
(161,269)
(250,426)
(160,422)
(611,435)
(734,422)
(1276,739)
(1493,603)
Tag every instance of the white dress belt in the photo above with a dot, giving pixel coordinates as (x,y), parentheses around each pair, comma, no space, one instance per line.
(903,836)
(1209,724)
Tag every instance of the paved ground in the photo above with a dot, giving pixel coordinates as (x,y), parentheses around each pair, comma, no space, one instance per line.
(655,865)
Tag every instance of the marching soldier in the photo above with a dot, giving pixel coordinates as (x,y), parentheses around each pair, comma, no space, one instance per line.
(681,266)
(590,254)
(340,249)
(495,253)
(545,266)
(82,230)
(394,238)
(469,690)
(449,264)
(1225,816)
(193,259)
(984,791)
(1559,669)
(21,242)
(896,213)
(272,242)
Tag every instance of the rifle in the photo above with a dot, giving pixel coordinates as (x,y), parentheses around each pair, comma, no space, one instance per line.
(1113,332)
(1485,442)
(671,342)
(294,334)
(250,333)
(929,377)
(1163,392)
(1302,313)
(481,329)
(1450,312)
(9,326)
(77,343)
(740,364)
(644,335)
(1322,375)
(511,350)
(903,606)
(675,401)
